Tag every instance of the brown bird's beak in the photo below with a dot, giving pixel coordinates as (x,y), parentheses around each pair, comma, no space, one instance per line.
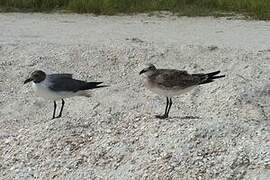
(142,71)
(28,80)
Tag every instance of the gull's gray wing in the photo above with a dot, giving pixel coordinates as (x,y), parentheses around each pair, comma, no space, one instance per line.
(174,78)
(64,82)
(64,75)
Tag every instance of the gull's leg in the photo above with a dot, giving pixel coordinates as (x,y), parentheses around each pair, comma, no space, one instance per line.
(62,107)
(165,115)
(169,108)
(54,109)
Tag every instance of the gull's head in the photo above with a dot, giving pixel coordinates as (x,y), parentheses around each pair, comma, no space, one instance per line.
(36,76)
(150,69)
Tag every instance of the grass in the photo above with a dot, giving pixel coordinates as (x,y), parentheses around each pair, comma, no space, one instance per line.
(258,9)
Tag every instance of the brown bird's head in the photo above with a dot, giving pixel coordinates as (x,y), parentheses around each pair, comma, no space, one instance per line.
(148,70)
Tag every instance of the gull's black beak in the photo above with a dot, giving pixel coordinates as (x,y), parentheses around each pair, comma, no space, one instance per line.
(142,71)
(27,80)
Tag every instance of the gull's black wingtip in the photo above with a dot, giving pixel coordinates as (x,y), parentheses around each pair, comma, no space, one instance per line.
(93,85)
(102,86)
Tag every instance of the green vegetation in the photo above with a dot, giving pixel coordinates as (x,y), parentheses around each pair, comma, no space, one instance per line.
(259,9)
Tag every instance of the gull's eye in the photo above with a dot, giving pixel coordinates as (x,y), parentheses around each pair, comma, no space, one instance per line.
(35,75)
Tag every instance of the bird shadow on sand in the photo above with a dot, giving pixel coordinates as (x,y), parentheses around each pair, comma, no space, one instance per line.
(185,117)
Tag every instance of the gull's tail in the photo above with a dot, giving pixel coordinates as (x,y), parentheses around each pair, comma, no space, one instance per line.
(92,85)
(88,86)
(209,77)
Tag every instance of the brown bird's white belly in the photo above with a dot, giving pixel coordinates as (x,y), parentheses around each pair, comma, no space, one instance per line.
(166,91)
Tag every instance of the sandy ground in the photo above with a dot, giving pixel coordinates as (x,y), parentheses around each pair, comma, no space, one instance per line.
(114,134)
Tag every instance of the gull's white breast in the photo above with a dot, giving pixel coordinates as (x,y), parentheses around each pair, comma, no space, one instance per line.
(43,91)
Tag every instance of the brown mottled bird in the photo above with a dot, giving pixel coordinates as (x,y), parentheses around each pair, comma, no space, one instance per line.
(173,82)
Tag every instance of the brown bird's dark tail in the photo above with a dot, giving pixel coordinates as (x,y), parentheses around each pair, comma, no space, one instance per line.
(209,77)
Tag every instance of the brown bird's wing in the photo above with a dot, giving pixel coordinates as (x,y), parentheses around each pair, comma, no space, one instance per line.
(170,78)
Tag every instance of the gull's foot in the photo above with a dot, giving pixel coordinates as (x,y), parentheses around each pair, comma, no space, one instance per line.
(164,116)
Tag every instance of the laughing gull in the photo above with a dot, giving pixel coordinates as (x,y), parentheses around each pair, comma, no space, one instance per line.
(172,82)
(59,86)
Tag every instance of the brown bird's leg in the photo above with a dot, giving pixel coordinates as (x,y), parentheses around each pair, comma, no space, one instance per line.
(169,108)
(165,115)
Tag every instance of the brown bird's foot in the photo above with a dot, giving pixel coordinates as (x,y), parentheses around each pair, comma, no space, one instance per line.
(164,116)
(58,116)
